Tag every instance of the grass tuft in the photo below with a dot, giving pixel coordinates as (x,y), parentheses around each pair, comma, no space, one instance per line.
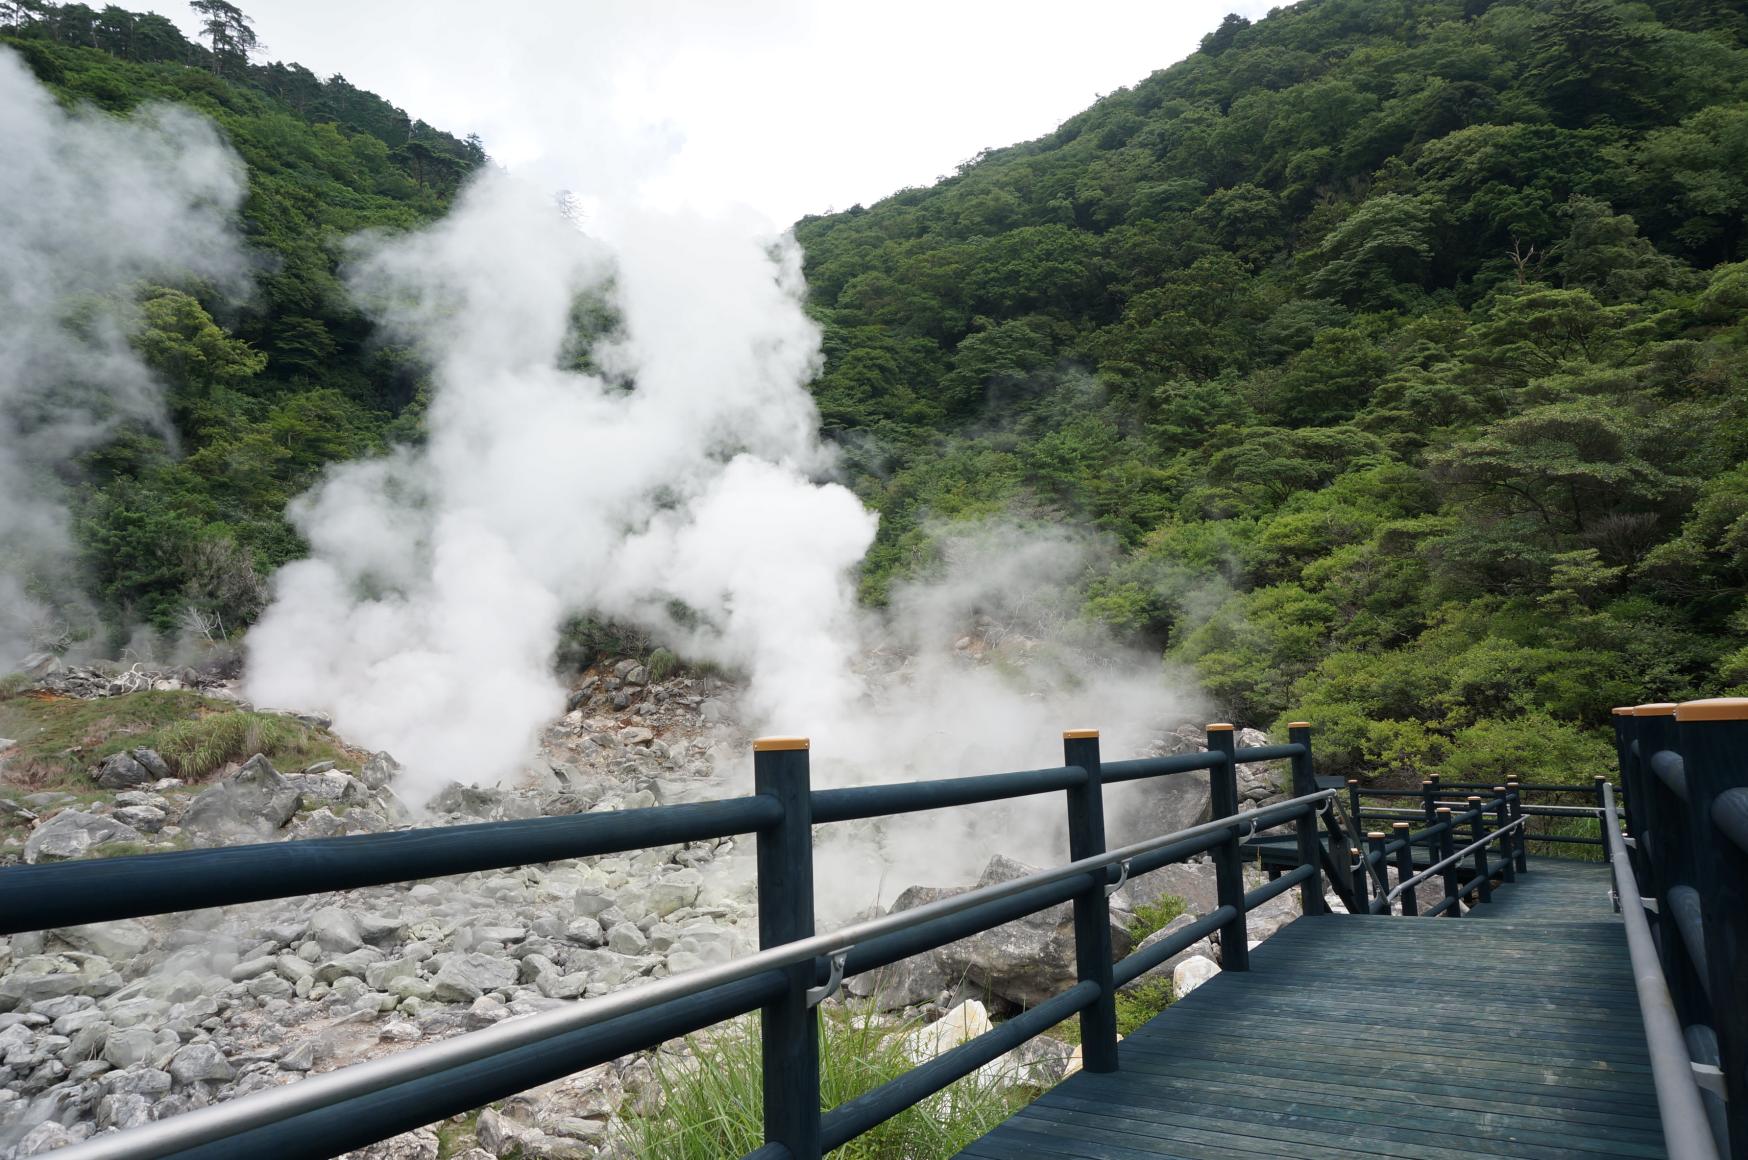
(711,1101)
(661,665)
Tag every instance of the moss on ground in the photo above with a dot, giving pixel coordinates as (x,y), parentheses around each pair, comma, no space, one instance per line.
(61,740)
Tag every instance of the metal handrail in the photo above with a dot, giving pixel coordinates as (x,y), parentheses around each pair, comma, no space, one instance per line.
(259,1109)
(1394,894)
(1685,1126)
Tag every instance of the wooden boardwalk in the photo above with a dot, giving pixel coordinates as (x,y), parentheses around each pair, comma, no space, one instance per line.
(1515,1036)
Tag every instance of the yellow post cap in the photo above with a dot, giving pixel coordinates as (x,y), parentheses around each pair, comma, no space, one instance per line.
(1655,709)
(778,744)
(1622,710)
(1713,709)
(1080,735)
(1375,834)
(1220,727)
(1398,825)
(1298,724)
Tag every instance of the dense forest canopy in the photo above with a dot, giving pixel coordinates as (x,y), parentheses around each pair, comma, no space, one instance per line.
(264,393)
(1395,346)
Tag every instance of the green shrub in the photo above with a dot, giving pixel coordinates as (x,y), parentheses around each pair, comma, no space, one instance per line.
(711,1102)
(1155,915)
(1141,1002)
(662,664)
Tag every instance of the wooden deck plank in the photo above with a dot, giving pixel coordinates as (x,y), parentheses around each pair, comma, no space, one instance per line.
(1517,1036)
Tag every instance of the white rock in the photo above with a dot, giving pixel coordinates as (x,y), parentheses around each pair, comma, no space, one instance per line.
(1192,973)
(965,1022)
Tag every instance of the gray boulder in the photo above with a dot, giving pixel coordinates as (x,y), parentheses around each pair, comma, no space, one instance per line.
(336,930)
(1191,881)
(255,799)
(1027,961)
(379,770)
(122,939)
(71,833)
(121,770)
(465,977)
(1164,970)
(200,1061)
(330,786)
(155,765)
(146,819)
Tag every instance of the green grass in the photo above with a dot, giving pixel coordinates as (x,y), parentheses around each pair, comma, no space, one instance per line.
(712,1107)
(1156,916)
(1138,1002)
(61,740)
(456,1136)
(661,665)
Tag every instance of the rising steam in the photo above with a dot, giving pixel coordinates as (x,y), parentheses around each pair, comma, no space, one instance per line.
(675,484)
(675,475)
(92,205)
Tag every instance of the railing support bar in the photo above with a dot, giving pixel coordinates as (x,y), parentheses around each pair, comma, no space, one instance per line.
(1092,908)
(1228,861)
(1447,856)
(1478,834)
(1305,781)
(1713,737)
(1502,819)
(789,1025)
(1405,872)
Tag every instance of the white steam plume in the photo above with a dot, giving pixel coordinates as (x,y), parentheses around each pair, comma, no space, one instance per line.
(681,473)
(426,616)
(90,205)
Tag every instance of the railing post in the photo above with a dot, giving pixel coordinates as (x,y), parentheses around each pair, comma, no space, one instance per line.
(1714,747)
(1092,910)
(1362,888)
(1656,728)
(1228,861)
(1597,783)
(1520,843)
(1447,846)
(789,1028)
(1477,831)
(1355,824)
(1375,853)
(1405,869)
(1637,824)
(1508,841)
(1310,844)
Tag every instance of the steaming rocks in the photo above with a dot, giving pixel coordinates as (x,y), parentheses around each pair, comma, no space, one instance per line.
(116,1024)
(107,1026)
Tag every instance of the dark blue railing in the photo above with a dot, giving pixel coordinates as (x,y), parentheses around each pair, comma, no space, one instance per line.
(794,970)
(1686,772)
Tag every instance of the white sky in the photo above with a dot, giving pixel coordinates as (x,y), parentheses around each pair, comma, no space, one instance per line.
(786,106)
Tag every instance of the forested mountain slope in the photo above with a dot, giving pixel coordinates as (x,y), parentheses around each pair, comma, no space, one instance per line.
(261,394)
(1397,345)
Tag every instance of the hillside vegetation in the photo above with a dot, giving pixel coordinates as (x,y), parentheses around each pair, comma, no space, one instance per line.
(1396,347)
(261,395)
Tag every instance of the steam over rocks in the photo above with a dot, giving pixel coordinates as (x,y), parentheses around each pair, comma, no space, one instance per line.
(112,1025)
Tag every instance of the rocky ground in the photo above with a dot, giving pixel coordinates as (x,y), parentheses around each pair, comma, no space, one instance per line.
(112,1025)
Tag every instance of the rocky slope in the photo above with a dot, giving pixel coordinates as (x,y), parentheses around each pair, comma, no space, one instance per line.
(112,1025)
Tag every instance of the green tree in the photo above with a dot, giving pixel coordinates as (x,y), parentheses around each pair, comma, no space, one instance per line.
(230,34)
